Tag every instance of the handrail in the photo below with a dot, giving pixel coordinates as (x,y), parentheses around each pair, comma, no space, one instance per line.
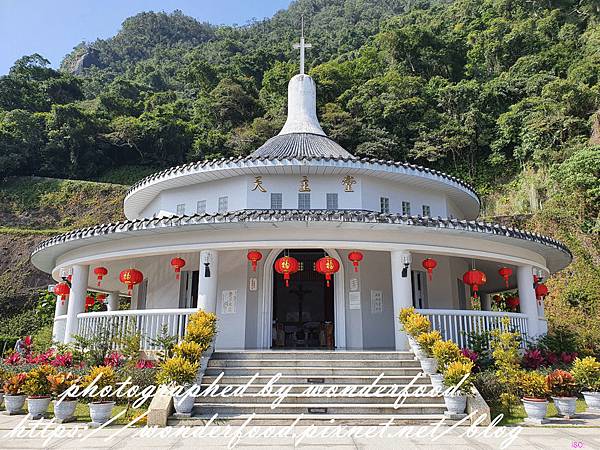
(470,312)
(138,312)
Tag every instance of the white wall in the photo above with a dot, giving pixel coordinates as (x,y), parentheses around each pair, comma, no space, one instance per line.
(231,328)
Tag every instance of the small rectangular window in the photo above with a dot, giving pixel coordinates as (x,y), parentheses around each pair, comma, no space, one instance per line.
(181,209)
(332,201)
(276,200)
(426,211)
(303,200)
(201,207)
(384,204)
(223,204)
(406,208)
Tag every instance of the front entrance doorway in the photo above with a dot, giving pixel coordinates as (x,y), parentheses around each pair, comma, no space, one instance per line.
(303,313)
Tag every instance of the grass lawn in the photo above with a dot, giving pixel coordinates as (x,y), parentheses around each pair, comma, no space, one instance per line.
(517,414)
(82,414)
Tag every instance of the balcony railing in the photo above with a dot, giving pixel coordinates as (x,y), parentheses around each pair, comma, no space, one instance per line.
(149,323)
(454,325)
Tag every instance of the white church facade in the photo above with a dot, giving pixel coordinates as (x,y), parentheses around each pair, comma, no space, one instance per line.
(301,197)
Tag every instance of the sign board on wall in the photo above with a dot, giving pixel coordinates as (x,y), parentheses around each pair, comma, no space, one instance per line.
(376,302)
(354,300)
(252,284)
(354,284)
(229,302)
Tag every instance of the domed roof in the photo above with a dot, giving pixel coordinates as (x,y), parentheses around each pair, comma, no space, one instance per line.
(302,135)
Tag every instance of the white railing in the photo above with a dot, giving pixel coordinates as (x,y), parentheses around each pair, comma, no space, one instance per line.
(454,325)
(149,323)
(58,330)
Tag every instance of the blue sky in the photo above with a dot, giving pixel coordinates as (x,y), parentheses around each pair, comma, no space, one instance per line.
(53,27)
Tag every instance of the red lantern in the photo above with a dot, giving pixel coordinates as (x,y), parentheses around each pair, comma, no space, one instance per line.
(100,272)
(513,302)
(328,266)
(89,302)
(474,278)
(254,257)
(287,265)
(429,264)
(177,264)
(62,290)
(355,257)
(505,272)
(540,292)
(131,277)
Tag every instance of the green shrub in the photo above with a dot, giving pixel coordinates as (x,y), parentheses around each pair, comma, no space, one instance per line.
(37,383)
(456,371)
(532,385)
(587,373)
(192,351)
(445,352)
(177,370)
(201,328)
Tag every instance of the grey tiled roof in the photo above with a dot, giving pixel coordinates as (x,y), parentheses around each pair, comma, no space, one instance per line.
(290,215)
(301,145)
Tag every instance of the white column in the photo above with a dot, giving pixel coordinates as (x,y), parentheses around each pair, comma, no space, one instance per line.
(527,298)
(401,291)
(486,302)
(112,301)
(58,330)
(207,286)
(79,285)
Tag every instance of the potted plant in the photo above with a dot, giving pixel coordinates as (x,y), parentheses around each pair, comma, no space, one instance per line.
(180,372)
(586,372)
(415,325)
(3,377)
(533,389)
(100,407)
(458,381)
(38,390)
(426,341)
(405,313)
(563,388)
(14,399)
(64,407)
(444,352)
(202,329)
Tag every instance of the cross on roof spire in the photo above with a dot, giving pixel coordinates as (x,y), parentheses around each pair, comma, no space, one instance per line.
(302,46)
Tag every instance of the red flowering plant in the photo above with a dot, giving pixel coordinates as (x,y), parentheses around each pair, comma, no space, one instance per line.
(114,359)
(62,360)
(13,359)
(506,302)
(145,364)
(533,359)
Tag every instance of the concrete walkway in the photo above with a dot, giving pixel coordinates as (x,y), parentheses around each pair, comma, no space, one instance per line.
(396,438)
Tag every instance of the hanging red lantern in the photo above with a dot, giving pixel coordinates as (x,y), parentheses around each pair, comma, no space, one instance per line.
(429,264)
(62,290)
(131,277)
(474,278)
(254,256)
(100,272)
(505,272)
(541,290)
(327,266)
(513,302)
(287,265)
(355,257)
(177,264)
(89,302)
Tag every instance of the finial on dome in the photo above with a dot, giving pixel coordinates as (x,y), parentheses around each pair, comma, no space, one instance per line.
(302,46)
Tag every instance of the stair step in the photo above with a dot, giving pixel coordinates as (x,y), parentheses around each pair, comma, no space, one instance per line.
(312,355)
(304,408)
(295,379)
(296,399)
(299,388)
(314,372)
(313,419)
(338,363)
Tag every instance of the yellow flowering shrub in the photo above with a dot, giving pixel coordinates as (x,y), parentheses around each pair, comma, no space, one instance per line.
(190,350)
(456,371)
(417,324)
(427,340)
(177,370)
(201,329)
(587,373)
(445,352)
(405,313)
(532,385)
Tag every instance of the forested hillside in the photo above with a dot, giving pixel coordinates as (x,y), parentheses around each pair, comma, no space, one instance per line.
(502,93)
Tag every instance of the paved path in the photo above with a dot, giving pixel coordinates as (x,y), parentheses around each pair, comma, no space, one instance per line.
(453,439)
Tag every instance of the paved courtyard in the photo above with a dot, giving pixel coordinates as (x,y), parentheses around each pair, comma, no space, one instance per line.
(555,437)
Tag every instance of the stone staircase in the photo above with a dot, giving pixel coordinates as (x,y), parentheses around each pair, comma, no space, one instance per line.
(317,369)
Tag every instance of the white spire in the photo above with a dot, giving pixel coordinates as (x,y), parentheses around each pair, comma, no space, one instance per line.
(302,46)
(302,100)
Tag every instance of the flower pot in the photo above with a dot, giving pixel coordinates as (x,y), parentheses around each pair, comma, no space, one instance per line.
(1,398)
(456,404)
(592,400)
(419,352)
(65,410)
(429,365)
(437,380)
(38,406)
(14,403)
(411,342)
(101,412)
(536,409)
(565,406)
(183,404)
